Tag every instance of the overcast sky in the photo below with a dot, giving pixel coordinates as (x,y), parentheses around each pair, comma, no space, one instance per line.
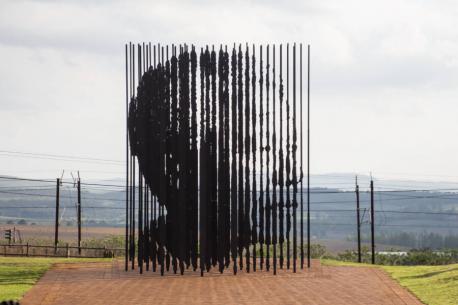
(384,77)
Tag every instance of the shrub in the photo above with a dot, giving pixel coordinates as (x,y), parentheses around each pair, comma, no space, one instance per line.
(413,257)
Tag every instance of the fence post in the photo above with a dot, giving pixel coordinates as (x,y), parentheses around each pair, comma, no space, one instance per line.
(68,253)
(27,253)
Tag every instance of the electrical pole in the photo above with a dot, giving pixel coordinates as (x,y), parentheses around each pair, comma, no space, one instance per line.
(372,222)
(126,258)
(79,214)
(56,228)
(358,220)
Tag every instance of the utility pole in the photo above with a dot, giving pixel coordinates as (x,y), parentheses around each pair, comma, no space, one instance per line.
(79,213)
(56,227)
(372,222)
(126,258)
(358,220)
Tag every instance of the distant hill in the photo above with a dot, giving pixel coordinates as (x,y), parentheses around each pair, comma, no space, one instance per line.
(421,207)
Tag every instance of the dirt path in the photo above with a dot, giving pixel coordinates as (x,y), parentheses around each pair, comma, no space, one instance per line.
(106,283)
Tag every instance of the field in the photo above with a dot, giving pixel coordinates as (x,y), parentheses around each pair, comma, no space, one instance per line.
(44,234)
(17,275)
(433,285)
(67,234)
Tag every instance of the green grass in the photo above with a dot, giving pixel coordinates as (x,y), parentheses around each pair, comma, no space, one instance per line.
(433,285)
(19,274)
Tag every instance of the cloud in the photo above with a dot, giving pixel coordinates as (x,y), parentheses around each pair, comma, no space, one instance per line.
(380,70)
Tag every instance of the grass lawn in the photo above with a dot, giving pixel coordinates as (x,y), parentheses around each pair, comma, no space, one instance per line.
(433,285)
(19,274)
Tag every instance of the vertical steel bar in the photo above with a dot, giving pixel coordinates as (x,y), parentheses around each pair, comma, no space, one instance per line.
(162,223)
(254,220)
(247,227)
(140,179)
(194,162)
(146,224)
(133,168)
(261,161)
(288,165)
(213,158)
(241,210)
(227,168)
(301,156)
(172,213)
(267,148)
(143,51)
(308,159)
(294,172)
(140,220)
(281,163)
(221,156)
(203,169)
(208,161)
(126,253)
(131,85)
(227,198)
(234,213)
(274,165)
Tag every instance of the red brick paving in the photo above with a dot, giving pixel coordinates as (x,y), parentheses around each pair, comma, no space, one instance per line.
(107,283)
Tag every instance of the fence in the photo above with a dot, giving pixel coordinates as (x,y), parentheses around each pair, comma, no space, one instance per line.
(59,251)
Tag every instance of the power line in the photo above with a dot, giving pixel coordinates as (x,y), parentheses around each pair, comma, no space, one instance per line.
(389,225)
(66,160)
(102,184)
(54,181)
(407,197)
(28,194)
(316,191)
(317,202)
(67,197)
(32,207)
(27,179)
(51,207)
(393,212)
(63,157)
(26,188)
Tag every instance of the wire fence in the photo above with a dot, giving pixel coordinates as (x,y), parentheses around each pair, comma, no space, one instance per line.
(59,251)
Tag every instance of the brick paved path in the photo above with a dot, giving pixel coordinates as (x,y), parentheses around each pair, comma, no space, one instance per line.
(107,283)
